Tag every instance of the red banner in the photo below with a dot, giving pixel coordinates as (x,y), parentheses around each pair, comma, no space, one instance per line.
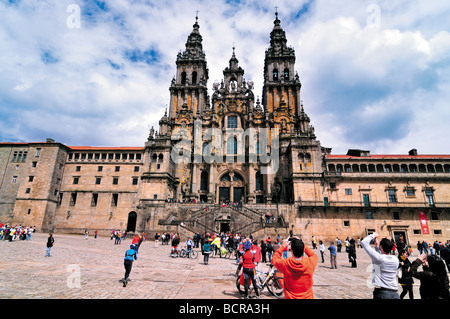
(424,223)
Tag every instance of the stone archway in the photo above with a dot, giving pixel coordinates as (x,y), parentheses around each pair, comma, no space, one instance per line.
(132,221)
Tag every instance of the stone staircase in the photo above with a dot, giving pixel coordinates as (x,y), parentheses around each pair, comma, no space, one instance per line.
(203,218)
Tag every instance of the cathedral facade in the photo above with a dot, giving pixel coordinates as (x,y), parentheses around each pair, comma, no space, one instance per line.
(228,162)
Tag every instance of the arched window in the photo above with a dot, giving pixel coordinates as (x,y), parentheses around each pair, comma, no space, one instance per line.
(225,178)
(194,77)
(237,178)
(183,78)
(232,121)
(232,145)
(205,148)
(275,74)
(286,74)
(308,158)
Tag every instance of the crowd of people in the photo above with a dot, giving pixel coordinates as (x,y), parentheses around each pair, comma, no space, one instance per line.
(18,232)
(392,267)
(393,275)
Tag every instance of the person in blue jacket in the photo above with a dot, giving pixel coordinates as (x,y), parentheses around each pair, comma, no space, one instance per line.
(130,256)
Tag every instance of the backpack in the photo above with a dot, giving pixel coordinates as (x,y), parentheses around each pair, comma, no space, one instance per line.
(129,254)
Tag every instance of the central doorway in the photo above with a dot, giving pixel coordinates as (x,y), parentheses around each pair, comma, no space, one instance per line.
(224,194)
(238,194)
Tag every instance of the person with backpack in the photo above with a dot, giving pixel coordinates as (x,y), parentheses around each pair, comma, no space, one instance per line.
(248,268)
(130,256)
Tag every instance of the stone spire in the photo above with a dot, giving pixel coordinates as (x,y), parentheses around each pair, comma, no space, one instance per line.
(194,46)
(278,41)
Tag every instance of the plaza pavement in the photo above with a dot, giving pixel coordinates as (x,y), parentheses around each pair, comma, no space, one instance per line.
(91,268)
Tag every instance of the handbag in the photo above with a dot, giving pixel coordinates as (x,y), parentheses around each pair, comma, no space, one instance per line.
(399,273)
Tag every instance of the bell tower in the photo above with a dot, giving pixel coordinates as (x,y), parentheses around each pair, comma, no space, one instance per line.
(188,90)
(281,90)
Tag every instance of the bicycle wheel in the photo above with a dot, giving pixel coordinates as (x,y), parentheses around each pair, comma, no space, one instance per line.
(241,288)
(182,253)
(193,254)
(228,254)
(277,287)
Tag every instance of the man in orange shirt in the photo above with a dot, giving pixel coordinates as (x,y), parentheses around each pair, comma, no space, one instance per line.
(297,270)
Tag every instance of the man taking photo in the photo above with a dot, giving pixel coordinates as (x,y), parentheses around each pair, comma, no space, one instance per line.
(298,270)
(385,267)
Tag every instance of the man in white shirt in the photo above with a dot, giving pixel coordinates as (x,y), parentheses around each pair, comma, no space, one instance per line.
(385,267)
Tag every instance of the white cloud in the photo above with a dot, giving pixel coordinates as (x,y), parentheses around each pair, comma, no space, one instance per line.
(368,81)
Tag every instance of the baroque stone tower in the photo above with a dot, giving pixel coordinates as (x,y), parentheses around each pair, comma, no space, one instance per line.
(231,148)
(300,152)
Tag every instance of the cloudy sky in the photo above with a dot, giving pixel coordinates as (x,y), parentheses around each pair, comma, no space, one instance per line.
(375,74)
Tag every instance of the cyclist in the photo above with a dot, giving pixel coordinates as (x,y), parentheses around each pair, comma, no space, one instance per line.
(248,264)
(189,245)
(216,245)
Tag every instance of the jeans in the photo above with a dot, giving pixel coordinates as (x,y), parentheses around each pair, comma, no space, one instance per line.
(48,252)
(381,293)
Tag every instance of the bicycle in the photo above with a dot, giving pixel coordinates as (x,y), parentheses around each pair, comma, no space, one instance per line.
(272,279)
(224,252)
(188,253)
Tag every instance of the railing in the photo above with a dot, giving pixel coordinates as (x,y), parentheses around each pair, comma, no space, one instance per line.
(372,204)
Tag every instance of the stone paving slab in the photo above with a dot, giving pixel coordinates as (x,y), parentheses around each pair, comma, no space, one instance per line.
(90,269)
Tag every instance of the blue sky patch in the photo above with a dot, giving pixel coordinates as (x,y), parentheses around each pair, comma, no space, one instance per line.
(150,56)
(47,57)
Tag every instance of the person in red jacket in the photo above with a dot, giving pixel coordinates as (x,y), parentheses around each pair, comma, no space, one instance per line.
(297,270)
(257,253)
(248,264)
